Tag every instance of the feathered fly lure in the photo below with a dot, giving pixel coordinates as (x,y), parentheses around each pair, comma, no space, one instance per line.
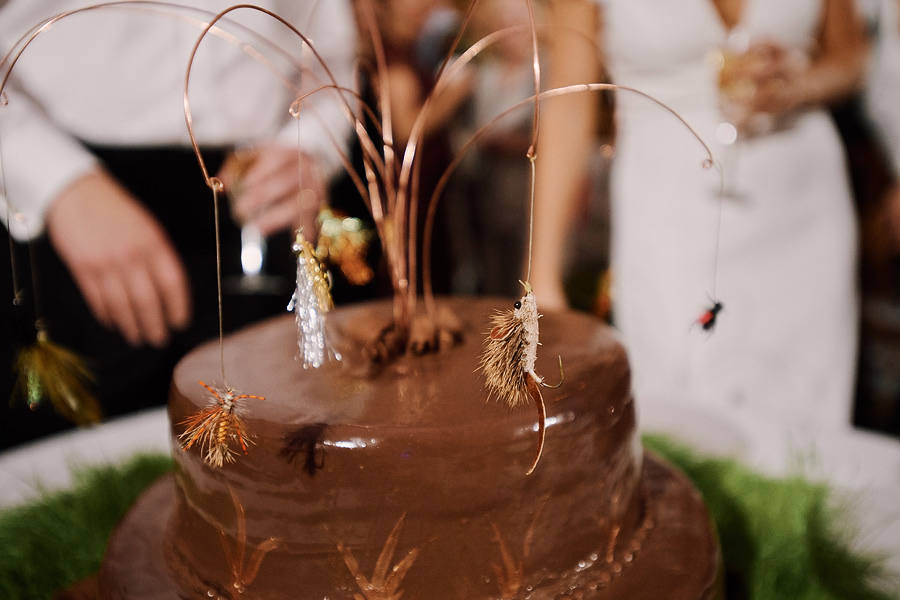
(707,320)
(508,359)
(344,242)
(48,371)
(217,426)
(310,303)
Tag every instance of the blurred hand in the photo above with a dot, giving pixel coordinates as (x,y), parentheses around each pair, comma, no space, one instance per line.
(274,187)
(777,76)
(121,260)
(765,82)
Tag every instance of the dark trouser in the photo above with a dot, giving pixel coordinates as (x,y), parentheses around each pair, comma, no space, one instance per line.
(171,185)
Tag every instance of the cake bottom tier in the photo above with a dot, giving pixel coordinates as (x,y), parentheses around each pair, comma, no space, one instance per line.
(679,557)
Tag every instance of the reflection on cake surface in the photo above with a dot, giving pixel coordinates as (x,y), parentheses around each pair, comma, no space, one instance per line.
(407,481)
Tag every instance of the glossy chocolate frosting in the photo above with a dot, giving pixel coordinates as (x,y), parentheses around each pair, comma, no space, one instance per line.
(407,480)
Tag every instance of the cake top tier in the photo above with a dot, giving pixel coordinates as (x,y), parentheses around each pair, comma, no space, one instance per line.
(262,361)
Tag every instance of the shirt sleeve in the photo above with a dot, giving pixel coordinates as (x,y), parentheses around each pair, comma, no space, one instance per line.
(323,126)
(39,161)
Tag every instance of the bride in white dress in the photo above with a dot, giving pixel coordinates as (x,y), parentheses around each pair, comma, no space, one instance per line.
(778,249)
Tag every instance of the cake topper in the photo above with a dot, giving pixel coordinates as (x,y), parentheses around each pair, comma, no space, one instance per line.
(394,204)
(312,296)
(218,427)
(389,189)
(310,303)
(510,352)
(221,423)
(344,242)
(46,370)
(707,320)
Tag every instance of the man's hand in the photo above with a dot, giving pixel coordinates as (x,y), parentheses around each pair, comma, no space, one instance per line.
(274,187)
(121,259)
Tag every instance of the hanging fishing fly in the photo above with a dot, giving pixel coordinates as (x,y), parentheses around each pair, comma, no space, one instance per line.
(311,302)
(217,426)
(510,353)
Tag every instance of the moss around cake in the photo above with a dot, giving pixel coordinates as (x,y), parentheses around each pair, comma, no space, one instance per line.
(408,481)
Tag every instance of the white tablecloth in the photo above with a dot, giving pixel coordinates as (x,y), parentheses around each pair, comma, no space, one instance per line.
(47,464)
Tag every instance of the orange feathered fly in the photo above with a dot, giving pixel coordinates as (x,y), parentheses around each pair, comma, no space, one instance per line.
(217,425)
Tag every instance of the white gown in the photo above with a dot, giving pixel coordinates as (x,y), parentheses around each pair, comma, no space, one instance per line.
(779,253)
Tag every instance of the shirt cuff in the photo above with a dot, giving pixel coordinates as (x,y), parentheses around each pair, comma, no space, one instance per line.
(39,162)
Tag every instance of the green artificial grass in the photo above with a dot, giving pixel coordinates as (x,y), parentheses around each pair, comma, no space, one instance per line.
(59,539)
(782,538)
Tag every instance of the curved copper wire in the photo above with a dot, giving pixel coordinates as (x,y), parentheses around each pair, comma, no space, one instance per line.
(708,162)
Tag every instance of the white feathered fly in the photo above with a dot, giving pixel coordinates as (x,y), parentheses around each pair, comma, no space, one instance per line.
(311,302)
(508,360)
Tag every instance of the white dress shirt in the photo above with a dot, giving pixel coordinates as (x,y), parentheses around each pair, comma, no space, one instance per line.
(115,76)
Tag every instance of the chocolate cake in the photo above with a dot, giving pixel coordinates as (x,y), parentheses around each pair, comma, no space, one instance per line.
(368,484)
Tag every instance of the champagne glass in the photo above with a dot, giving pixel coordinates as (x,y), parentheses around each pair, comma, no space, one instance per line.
(253,278)
(735,91)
